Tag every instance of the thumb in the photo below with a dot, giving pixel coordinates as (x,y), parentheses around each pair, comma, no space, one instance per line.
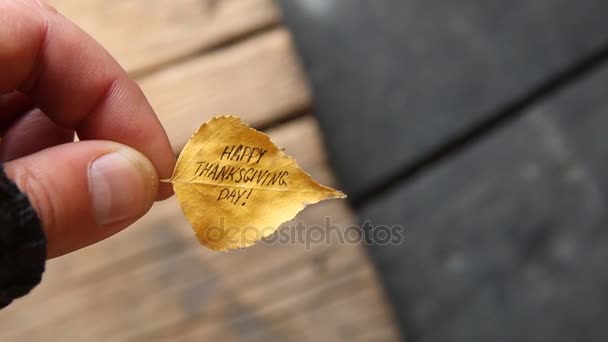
(85,192)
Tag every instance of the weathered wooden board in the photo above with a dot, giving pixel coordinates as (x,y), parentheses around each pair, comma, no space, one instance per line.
(507,241)
(145,34)
(159,284)
(394,80)
(259,79)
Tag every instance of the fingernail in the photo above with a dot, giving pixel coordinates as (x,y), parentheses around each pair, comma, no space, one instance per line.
(117,187)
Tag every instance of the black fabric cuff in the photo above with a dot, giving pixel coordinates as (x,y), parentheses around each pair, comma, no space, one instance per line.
(22,243)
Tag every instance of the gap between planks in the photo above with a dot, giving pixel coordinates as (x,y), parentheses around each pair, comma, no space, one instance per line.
(165,33)
(500,118)
(240,80)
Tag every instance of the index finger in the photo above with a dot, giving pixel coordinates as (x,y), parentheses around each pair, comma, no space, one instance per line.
(75,82)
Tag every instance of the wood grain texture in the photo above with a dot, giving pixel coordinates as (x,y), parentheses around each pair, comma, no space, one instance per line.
(507,240)
(164,31)
(259,79)
(159,284)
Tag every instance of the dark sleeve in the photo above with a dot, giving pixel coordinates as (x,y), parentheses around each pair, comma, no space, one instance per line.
(22,243)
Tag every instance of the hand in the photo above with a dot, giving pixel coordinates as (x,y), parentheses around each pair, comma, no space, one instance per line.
(56,80)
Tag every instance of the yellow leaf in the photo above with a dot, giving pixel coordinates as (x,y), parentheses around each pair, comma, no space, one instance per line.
(236,187)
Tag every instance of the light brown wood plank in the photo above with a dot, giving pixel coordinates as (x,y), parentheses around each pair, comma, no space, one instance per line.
(377,336)
(216,313)
(268,319)
(143,34)
(346,324)
(324,295)
(259,80)
(176,285)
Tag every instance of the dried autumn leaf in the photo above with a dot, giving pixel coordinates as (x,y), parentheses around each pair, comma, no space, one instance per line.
(236,187)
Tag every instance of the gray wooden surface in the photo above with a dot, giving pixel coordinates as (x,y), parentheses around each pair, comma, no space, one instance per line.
(507,241)
(393,80)
(479,127)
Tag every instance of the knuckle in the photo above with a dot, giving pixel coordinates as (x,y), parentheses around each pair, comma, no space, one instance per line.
(45,5)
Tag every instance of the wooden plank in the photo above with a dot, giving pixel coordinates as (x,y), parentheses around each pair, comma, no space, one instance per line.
(507,241)
(239,80)
(177,285)
(188,311)
(144,34)
(277,292)
(302,317)
(395,80)
(311,325)
(185,290)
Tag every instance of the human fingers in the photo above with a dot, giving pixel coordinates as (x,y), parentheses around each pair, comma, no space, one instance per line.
(85,192)
(31,133)
(74,81)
